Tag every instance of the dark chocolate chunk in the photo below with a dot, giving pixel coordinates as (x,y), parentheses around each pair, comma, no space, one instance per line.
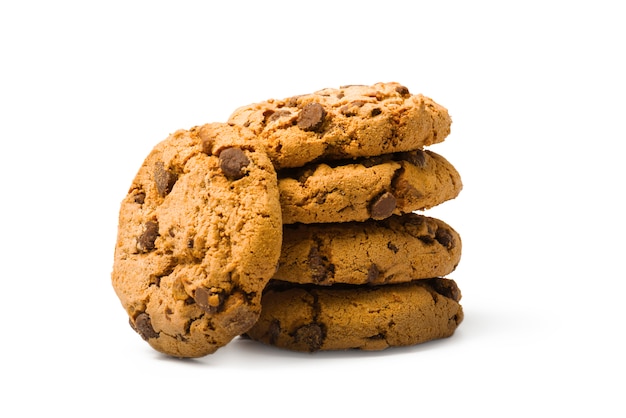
(311,117)
(383,206)
(145,242)
(352,109)
(404,190)
(321,270)
(426,239)
(445,238)
(164,179)
(392,247)
(143,327)
(372,273)
(233,161)
(446,287)
(140,197)
(210,300)
(376,111)
(274,331)
(417,157)
(279,114)
(402,91)
(310,335)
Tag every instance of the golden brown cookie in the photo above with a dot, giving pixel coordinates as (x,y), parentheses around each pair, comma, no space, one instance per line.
(313,318)
(351,121)
(397,249)
(367,188)
(199,237)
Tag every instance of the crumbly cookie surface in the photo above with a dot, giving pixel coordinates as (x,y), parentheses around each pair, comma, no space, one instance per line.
(368,188)
(350,121)
(397,249)
(315,318)
(199,237)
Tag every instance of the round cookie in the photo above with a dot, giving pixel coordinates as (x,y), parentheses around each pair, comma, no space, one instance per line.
(367,188)
(314,318)
(351,121)
(199,237)
(397,249)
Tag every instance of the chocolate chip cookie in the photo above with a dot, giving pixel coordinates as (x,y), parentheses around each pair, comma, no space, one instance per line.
(367,188)
(397,249)
(351,121)
(199,237)
(313,318)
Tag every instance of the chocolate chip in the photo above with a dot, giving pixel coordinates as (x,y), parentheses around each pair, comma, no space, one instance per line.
(310,335)
(372,273)
(376,111)
(445,238)
(143,327)
(417,157)
(279,114)
(321,270)
(233,161)
(446,287)
(383,206)
(140,197)
(311,117)
(274,331)
(164,179)
(304,175)
(210,300)
(352,109)
(426,239)
(145,242)
(392,247)
(402,91)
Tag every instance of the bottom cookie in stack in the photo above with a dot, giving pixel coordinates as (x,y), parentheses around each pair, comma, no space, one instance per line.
(316,318)
(362,285)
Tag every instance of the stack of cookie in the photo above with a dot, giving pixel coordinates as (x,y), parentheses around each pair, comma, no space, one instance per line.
(294,224)
(358,268)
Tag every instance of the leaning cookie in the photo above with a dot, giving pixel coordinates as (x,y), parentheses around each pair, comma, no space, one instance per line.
(199,237)
(314,318)
(367,188)
(398,249)
(351,121)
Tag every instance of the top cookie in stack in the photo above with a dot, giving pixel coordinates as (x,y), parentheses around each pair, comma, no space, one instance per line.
(354,153)
(352,121)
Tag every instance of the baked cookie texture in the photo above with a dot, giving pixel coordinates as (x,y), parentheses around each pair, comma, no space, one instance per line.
(199,237)
(397,249)
(345,122)
(368,188)
(314,318)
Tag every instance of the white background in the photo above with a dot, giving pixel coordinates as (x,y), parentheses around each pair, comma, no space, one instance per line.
(537,95)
